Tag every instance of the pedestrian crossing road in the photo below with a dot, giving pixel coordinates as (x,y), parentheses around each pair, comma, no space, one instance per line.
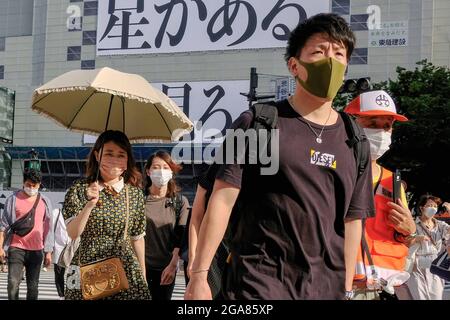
(47,289)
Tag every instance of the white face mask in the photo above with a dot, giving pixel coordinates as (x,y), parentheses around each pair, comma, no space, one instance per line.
(30,191)
(160,177)
(429,212)
(380,140)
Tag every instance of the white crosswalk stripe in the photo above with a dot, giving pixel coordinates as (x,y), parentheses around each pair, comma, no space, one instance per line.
(47,289)
(180,287)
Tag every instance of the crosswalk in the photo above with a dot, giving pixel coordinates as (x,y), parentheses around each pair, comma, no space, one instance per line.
(47,289)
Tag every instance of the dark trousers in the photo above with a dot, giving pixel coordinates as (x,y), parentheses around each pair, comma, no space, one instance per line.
(159,292)
(32,261)
(59,279)
(186,278)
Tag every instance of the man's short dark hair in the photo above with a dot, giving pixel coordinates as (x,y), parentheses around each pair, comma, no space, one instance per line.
(331,24)
(32,175)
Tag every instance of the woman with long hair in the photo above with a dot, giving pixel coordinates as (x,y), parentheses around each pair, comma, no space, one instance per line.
(95,209)
(166,212)
(427,245)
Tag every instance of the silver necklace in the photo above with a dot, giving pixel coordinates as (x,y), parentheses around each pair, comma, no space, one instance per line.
(318,136)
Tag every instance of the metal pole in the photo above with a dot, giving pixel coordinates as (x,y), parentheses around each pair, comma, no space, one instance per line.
(106,128)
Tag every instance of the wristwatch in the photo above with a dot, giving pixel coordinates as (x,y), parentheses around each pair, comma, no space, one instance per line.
(402,238)
(411,236)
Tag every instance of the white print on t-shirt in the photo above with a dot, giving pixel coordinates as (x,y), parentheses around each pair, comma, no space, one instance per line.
(323,159)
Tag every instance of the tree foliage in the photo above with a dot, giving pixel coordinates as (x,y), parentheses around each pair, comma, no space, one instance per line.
(421,146)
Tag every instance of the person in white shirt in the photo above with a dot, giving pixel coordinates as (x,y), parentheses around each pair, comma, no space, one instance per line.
(61,239)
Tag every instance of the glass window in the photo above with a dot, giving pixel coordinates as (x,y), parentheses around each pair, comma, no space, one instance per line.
(90,8)
(359,56)
(358,22)
(341,7)
(87,64)
(2,72)
(89,37)
(74,53)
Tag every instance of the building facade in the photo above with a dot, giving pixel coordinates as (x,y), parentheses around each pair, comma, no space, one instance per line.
(160,40)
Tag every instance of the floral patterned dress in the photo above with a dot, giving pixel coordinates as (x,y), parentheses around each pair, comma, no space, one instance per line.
(103,235)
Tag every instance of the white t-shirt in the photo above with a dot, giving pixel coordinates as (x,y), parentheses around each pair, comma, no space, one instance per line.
(61,237)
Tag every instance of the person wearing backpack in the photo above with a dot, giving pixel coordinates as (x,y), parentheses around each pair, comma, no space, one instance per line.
(296,232)
(381,262)
(167,212)
(26,234)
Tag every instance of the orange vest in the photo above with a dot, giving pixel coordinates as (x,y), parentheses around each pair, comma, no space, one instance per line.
(388,255)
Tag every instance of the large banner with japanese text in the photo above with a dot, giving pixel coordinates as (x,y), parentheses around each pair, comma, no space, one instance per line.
(167,26)
(211,105)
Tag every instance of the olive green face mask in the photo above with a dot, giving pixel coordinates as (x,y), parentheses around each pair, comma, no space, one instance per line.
(325,77)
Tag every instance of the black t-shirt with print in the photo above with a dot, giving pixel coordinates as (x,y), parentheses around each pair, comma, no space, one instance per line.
(289,235)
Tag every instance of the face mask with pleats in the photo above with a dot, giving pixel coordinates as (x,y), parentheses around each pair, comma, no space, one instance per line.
(161,177)
(380,140)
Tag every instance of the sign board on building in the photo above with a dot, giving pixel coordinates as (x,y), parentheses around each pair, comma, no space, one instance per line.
(284,87)
(390,34)
(163,26)
(211,105)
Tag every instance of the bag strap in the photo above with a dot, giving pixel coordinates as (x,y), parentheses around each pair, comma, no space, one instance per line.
(265,116)
(366,250)
(57,220)
(357,141)
(428,233)
(36,202)
(177,206)
(364,245)
(29,214)
(378,181)
(125,232)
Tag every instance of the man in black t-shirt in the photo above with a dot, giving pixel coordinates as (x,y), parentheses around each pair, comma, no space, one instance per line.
(296,232)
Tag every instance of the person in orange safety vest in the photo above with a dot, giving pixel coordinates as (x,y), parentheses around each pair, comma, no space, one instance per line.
(381,259)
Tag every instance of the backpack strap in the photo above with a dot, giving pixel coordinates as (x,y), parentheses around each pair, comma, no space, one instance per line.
(265,116)
(358,141)
(177,203)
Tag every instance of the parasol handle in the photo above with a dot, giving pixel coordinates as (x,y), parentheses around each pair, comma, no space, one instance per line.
(106,128)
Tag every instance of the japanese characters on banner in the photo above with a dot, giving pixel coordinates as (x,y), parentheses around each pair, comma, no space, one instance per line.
(212,106)
(167,26)
(391,34)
